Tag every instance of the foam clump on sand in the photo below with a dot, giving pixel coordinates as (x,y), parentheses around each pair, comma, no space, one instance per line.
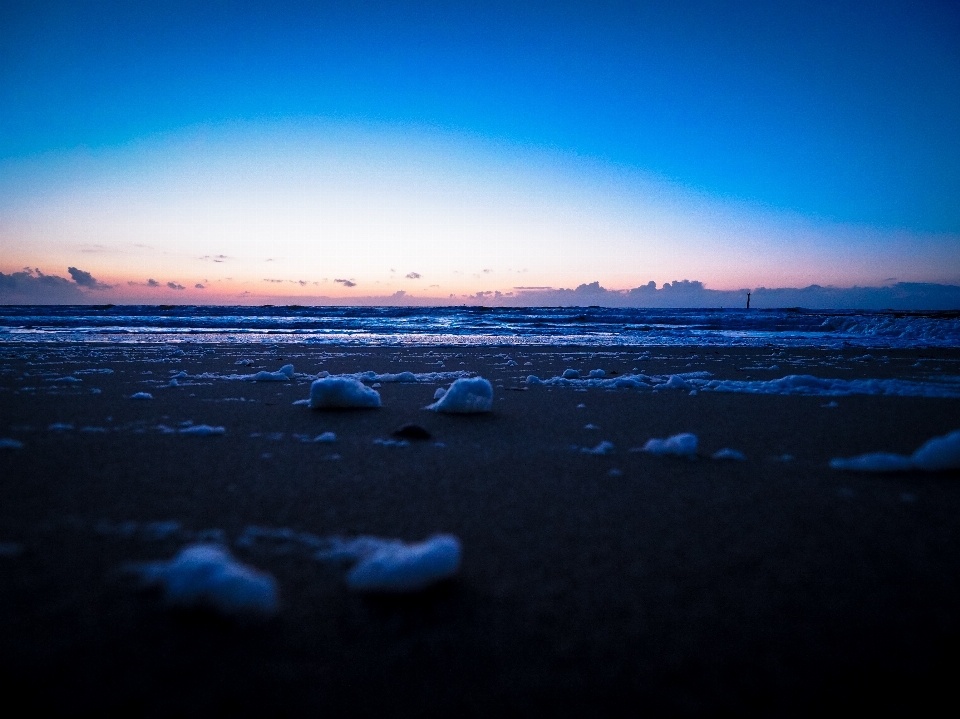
(389,565)
(283,374)
(937,454)
(676,382)
(326,437)
(466,396)
(342,393)
(679,445)
(874,462)
(8,443)
(602,448)
(409,377)
(799,384)
(571,378)
(790,385)
(596,373)
(141,395)
(208,576)
(727,453)
(203,430)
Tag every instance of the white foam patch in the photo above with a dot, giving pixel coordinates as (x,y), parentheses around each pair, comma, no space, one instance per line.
(409,377)
(684,380)
(141,395)
(389,565)
(342,393)
(937,454)
(439,393)
(676,382)
(602,448)
(874,462)
(789,385)
(9,443)
(679,445)
(203,430)
(809,385)
(596,374)
(466,396)
(60,427)
(325,437)
(392,442)
(207,575)
(283,374)
(727,453)
(64,380)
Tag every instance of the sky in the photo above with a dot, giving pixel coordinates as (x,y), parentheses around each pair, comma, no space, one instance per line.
(243,152)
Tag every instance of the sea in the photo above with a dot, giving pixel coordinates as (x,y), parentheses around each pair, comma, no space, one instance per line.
(472,326)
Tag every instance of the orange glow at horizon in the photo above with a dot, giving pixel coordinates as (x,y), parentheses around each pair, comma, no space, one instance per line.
(257,213)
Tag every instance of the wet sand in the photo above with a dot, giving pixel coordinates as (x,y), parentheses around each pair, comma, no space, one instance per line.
(591,585)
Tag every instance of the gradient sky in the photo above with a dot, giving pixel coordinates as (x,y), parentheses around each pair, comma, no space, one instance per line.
(251,147)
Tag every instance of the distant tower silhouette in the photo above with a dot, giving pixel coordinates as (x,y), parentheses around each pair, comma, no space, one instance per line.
(748,300)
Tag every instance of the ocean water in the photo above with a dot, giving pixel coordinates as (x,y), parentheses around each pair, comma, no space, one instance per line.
(397,326)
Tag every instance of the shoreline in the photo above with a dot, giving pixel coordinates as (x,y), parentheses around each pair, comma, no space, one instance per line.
(676,586)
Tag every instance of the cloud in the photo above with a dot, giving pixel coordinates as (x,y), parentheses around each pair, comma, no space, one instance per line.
(215,258)
(85,279)
(347,283)
(266,280)
(693,293)
(175,286)
(152,283)
(198,286)
(413,275)
(32,287)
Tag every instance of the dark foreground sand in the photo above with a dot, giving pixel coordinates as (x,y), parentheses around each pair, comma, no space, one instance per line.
(675,587)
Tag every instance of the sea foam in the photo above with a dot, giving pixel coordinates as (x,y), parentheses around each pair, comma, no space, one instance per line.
(937,454)
(207,575)
(342,393)
(466,396)
(389,565)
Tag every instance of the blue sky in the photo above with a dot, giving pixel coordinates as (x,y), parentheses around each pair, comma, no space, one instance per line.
(845,115)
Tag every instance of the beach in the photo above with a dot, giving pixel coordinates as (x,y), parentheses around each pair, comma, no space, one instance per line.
(597,582)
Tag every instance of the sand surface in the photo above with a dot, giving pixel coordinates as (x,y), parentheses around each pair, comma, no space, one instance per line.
(621,583)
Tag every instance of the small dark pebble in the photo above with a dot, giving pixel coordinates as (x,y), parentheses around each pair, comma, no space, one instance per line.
(411,431)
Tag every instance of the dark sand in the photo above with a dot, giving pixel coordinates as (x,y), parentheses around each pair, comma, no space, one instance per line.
(676,588)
